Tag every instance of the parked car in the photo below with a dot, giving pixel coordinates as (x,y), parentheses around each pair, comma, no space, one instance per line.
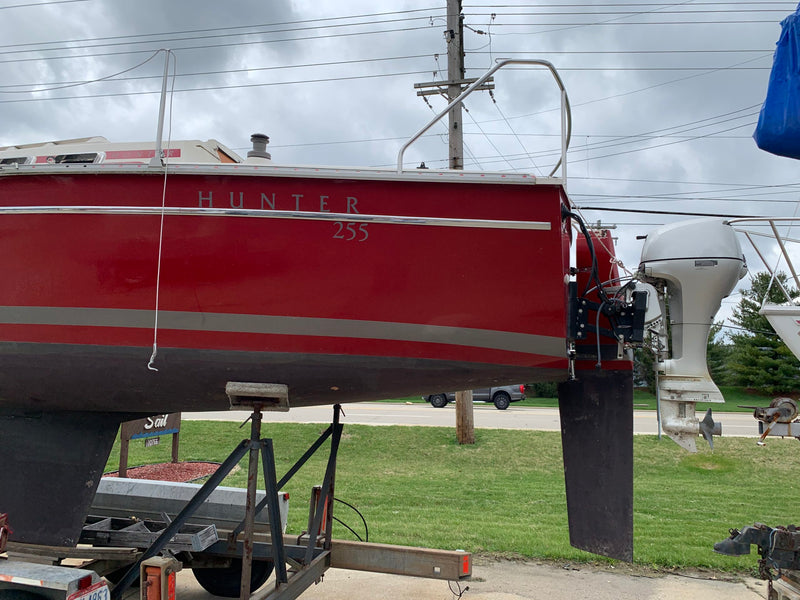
(501,396)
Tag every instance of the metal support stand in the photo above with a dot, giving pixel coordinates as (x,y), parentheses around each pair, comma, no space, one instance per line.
(180,520)
(310,561)
(252,485)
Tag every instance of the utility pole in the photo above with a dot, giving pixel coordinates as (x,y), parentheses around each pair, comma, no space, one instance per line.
(454,37)
(465,416)
(455,75)
(455,84)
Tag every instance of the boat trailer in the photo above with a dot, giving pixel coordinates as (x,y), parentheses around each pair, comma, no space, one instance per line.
(779,548)
(229,556)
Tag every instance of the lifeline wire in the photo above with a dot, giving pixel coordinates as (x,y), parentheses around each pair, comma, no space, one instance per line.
(165,158)
(80,83)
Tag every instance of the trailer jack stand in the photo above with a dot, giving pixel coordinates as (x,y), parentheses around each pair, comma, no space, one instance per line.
(310,562)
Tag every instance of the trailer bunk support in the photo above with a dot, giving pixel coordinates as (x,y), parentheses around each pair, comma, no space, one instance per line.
(314,559)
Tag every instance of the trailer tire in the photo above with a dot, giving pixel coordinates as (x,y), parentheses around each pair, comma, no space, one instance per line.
(227,581)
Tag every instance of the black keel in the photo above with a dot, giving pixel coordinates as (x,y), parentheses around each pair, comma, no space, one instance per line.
(51,467)
(597,438)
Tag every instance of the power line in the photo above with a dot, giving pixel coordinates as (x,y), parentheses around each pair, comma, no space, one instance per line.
(196,47)
(386,59)
(675,129)
(665,212)
(789,5)
(309,24)
(600,12)
(217,87)
(207,73)
(238,29)
(627,52)
(40,4)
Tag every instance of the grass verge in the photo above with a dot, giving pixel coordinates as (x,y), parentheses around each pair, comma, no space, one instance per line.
(505,495)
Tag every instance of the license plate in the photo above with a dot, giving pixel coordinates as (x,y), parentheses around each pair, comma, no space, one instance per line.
(97,591)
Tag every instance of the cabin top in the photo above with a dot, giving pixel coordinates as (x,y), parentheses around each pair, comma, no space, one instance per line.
(95,150)
(98,155)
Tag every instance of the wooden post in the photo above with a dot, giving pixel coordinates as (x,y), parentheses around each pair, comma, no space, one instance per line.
(123,456)
(465,422)
(176,439)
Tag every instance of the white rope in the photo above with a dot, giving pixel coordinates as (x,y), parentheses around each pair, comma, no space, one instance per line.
(151,362)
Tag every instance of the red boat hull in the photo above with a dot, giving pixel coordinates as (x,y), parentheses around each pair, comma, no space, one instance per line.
(339,311)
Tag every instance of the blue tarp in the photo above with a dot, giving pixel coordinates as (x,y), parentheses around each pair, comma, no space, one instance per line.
(778,129)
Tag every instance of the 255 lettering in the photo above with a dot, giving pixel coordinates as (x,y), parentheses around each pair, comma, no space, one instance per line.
(351,232)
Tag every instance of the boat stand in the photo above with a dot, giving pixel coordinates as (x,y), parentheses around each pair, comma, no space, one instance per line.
(308,561)
(122,546)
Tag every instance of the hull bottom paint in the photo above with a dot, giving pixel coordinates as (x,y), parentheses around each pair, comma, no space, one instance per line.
(57,377)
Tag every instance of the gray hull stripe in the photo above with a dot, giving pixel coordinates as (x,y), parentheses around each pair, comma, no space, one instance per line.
(281,325)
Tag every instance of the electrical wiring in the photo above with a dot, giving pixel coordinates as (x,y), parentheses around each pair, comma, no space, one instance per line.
(691,196)
(211,73)
(573,161)
(629,23)
(365,19)
(629,52)
(642,199)
(202,47)
(218,87)
(363,520)
(488,139)
(748,111)
(695,126)
(684,182)
(631,4)
(693,138)
(464,145)
(66,85)
(666,212)
(209,32)
(458,592)
(31,4)
(635,91)
(513,132)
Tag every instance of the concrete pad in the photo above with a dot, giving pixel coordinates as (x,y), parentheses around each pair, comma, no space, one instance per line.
(522,580)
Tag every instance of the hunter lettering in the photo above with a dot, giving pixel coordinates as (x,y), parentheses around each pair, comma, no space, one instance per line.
(271,201)
(295,201)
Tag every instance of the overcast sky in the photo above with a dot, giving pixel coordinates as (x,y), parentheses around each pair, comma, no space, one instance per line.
(664,96)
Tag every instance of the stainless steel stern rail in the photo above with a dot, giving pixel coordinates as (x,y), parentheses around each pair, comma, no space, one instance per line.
(566,114)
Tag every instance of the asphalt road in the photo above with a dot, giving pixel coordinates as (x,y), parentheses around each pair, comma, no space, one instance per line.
(486,416)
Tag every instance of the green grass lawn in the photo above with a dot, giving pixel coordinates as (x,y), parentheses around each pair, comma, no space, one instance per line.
(505,495)
(644,400)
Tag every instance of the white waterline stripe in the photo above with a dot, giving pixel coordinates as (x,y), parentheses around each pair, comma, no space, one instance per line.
(282,325)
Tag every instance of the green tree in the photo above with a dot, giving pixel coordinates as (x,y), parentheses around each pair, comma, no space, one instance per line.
(718,355)
(644,374)
(759,359)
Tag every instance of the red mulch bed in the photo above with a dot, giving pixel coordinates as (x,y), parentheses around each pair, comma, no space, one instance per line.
(180,471)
